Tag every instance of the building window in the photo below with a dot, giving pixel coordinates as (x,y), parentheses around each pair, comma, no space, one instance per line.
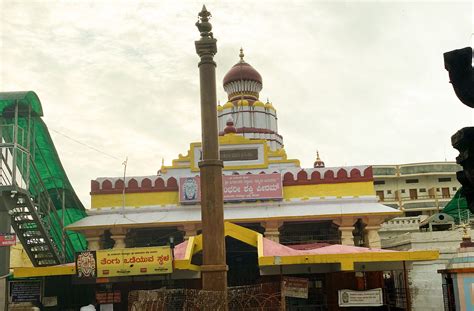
(422,190)
(380,195)
(455,189)
(379,182)
(412,181)
(413,214)
(403,190)
(445,193)
(437,189)
(444,179)
(389,191)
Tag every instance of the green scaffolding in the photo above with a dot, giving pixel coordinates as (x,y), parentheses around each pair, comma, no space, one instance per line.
(46,174)
(457,208)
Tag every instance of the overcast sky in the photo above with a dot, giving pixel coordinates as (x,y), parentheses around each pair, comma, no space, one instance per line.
(362,82)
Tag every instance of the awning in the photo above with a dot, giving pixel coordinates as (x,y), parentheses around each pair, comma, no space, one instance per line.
(327,208)
(272,255)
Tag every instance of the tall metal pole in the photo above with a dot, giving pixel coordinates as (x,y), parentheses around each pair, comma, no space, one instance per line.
(214,268)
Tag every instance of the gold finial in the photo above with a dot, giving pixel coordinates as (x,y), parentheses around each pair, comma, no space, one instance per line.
(162,161)
(241,55)
(317,156)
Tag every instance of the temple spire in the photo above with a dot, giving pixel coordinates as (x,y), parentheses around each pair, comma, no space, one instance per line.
(318,163)
(241,55)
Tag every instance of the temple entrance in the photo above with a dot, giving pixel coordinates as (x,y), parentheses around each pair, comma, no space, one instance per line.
(242,261)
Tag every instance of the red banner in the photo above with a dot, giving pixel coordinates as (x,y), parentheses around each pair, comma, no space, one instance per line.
(7,239)
(235,188)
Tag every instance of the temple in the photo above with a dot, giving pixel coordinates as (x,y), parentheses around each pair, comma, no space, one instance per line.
(319,226)
(264,189)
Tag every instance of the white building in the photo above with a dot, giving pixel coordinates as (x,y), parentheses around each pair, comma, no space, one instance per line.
(416,188)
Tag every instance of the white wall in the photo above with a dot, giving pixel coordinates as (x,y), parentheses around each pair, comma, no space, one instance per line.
(424,280)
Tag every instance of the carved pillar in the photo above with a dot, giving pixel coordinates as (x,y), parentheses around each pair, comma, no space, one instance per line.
(93,239)
(214,267)
(189,230)
(347,237)
(346,227)
(272,230)
(118,235)
(372,237)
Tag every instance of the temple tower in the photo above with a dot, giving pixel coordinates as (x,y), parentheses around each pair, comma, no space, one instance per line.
(252,118)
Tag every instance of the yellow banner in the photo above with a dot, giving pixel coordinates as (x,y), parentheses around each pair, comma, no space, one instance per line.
(134,261)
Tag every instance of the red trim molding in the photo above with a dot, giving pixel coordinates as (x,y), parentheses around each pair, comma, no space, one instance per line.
(318,176)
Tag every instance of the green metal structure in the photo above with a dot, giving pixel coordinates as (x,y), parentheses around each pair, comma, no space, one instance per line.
(34,187)
(457,208)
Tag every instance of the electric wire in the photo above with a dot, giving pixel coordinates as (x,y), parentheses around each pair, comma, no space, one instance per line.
(84,144)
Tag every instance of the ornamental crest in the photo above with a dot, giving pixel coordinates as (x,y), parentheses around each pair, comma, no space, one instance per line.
(86,266)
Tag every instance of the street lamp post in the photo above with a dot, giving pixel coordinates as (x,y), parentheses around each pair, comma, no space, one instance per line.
(214,268)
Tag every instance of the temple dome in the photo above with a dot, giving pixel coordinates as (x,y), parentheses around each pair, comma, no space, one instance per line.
(242,81)
(242,71)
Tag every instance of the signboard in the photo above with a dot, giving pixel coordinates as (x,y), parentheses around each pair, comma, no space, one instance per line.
(25,291)
(366,298)
(239,154)
(7,239)
(235,187)
(134,261)
(295,287)
(124,262)
(103,297)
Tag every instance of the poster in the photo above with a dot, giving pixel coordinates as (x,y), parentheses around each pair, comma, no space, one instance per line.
(295,287)
(365,298)
(86,266)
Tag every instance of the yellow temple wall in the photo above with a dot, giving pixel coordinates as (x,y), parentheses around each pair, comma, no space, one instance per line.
(19,257)
(354,189)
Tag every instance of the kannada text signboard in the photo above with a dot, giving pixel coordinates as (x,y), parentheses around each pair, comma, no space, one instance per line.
(124,262)
(134,261)
(7,239)
(235,188)
(295,287)
(364,298)
(25,291)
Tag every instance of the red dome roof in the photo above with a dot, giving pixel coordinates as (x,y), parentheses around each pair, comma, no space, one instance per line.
(242,71)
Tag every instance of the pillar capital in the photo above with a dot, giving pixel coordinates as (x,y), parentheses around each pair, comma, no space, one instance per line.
(345,221)
(272,229)
(118,235)
(189,229)
(92,233)
(206,47)
(272,224)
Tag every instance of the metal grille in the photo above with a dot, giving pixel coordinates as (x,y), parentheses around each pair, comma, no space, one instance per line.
(448,297)
(265,297)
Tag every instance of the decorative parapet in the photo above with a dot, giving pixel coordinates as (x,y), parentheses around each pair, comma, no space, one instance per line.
(133,185)
(328,175)
(295,177)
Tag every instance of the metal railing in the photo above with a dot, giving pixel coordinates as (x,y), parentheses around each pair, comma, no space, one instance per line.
(18,170)
(416,198)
